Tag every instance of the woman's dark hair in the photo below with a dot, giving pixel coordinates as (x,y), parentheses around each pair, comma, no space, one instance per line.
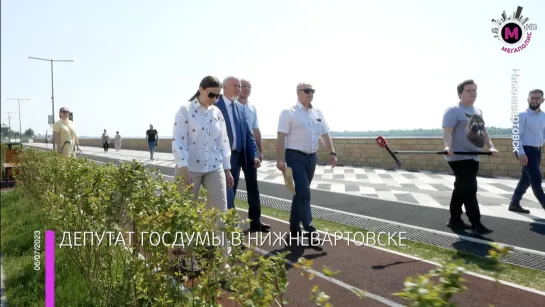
(207,82)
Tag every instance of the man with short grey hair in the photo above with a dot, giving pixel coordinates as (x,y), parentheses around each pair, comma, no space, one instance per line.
(251,113)
(300,128)
(244,154)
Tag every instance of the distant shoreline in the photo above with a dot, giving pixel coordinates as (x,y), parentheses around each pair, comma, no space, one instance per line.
(333,136)
(412,133)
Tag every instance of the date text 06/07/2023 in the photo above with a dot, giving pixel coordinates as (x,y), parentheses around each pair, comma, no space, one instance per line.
(37,250)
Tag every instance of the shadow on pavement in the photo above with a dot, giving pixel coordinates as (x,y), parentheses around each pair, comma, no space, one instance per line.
(479,258)
(538,228)
(295,252)
(382,267)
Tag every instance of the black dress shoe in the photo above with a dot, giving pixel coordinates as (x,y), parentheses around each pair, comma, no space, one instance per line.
(313,240)
(261,227)
(480,230)
(518,208)
(457,224)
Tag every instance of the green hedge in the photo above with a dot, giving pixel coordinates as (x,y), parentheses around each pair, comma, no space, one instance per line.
(78,195)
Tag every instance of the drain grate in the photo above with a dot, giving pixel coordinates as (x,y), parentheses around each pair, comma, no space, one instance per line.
(517,257)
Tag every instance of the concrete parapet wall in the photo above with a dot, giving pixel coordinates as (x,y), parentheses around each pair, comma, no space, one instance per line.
(365,152)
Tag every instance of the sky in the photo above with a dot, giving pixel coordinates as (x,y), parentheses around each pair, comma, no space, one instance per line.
(375,65)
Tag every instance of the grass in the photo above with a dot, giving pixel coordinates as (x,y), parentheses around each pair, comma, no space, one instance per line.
(24,285)
(522,276)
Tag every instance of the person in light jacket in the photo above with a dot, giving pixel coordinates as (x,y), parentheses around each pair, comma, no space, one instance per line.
(117,141)
(64,134)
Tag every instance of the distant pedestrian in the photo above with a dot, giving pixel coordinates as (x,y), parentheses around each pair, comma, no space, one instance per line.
(532,138)
(299,129)
(105,141)
(464,130)
(64,134)
(153,139)
(117,141)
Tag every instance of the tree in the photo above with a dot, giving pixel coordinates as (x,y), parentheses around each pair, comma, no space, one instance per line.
(29,133)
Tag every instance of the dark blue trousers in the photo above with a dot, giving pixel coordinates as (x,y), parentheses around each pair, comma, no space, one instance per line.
(303,167)
(531,176)
(238,162)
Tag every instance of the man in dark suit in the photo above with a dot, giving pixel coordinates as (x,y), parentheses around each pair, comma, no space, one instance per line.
(244,153)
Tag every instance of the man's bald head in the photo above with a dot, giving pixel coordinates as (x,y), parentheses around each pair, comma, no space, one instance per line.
(231,87)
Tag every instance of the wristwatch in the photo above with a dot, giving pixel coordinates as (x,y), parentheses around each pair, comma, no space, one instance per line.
(333,153)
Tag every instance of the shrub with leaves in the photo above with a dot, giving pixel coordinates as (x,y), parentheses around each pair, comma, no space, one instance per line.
(114,206)
(435,288)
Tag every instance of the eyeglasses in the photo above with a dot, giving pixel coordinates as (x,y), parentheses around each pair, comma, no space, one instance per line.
(308,90)
(213,95)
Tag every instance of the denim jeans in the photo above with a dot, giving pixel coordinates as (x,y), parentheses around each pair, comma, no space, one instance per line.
(151,146)
(303,167)
(531,176)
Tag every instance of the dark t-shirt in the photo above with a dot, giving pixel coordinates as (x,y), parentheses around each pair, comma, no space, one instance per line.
(151,133)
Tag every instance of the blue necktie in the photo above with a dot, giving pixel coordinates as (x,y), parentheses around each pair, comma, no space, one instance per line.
(236,121)
(229,130)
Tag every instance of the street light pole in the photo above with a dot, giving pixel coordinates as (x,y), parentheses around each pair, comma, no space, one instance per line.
(9,125)
(52,92)
(19,103)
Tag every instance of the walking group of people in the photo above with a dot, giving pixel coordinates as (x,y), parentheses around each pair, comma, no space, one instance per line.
(464,131)
(105,138)
(152,136)
(216,135)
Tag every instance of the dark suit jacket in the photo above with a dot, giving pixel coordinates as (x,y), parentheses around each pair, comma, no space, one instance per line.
(249,146)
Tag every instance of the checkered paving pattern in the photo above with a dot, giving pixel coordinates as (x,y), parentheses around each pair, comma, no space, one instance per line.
(415,188)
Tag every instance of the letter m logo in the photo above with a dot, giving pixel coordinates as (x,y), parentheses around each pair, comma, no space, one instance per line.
(511,33)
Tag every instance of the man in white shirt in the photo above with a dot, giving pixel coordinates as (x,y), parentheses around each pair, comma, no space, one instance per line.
(251,113)
(250,173)
(299,130)
(531,138)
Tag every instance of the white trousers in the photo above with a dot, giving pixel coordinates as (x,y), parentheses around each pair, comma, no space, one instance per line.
(215,184)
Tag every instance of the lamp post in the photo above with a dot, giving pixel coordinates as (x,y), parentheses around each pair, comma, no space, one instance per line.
(9,125)
(19,103)
(52,95)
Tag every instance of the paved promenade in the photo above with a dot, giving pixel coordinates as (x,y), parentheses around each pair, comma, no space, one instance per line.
(413,188)
(380,273)
(376,271)
(418,199)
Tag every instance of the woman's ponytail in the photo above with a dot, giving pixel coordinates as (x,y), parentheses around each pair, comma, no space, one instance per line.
(195,96)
